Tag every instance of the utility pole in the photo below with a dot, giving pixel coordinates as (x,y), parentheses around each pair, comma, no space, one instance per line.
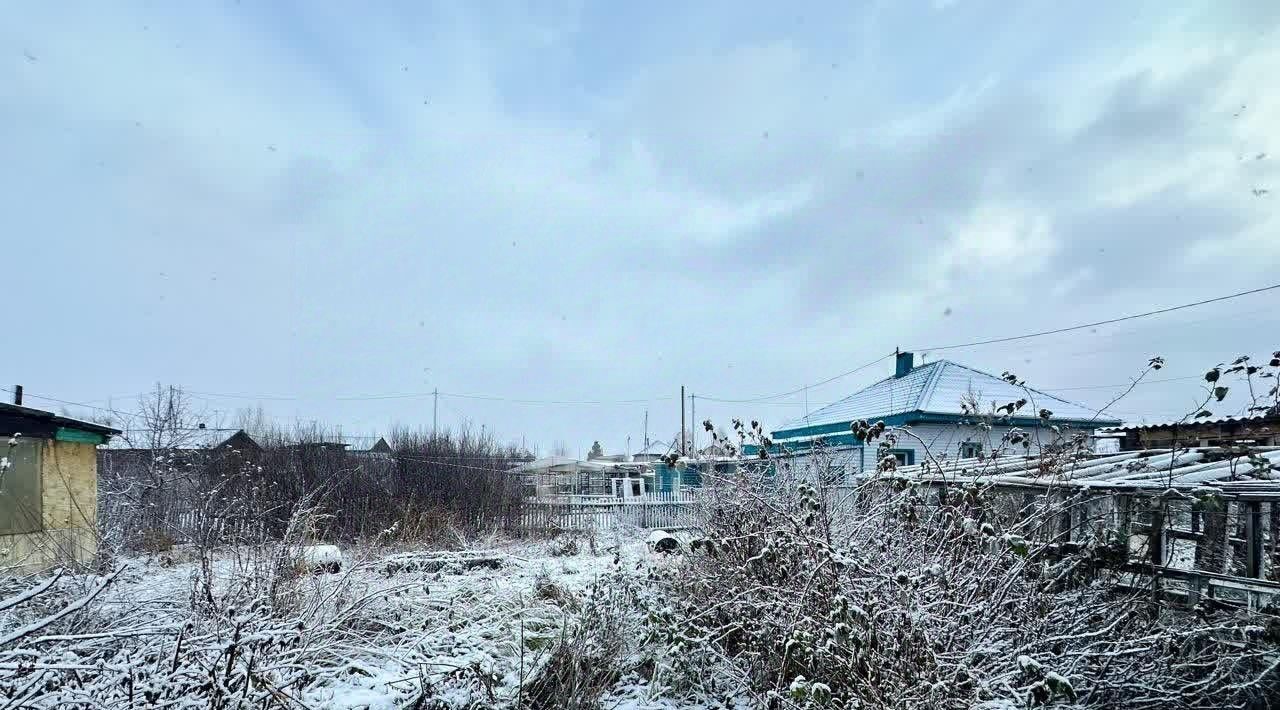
(693,421)
(646,430)
(682,420)
(435,410)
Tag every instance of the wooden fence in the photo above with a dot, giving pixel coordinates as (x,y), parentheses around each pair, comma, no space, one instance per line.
(655,511)
(188,525)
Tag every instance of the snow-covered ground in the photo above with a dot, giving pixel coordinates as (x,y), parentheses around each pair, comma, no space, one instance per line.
(448,625)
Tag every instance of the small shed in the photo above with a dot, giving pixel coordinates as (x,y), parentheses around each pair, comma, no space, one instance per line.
(558,476)
(48,488)
(1256,430)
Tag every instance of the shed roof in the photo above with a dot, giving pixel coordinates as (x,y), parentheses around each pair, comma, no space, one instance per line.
(16,419)
(1187,423)
(1230,471)
(938,388)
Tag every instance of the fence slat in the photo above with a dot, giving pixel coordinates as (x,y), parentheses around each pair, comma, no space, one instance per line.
(665,510)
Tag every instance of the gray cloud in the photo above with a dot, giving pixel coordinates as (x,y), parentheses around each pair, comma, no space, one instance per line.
(491,205)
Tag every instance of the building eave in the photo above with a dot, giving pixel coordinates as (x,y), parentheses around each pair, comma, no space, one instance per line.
(922,417)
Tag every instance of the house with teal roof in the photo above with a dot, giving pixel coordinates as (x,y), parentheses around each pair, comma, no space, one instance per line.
(949,410)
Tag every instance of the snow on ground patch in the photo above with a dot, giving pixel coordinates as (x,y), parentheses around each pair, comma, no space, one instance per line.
(460,623)
(321,556)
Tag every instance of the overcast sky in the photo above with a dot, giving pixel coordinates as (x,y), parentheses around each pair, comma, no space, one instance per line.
(303,203)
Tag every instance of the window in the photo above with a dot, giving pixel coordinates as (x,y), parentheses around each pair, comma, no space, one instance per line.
(20,487)
(906,457)
(970,450)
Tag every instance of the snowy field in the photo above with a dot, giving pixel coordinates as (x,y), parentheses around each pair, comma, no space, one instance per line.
(393,629)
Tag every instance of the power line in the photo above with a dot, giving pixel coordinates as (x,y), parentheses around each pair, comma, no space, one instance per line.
(1123,384)
(802,387)
(1047,390)
(423,395)
(240,396)
(74,404)
(1102,322)
(492,398)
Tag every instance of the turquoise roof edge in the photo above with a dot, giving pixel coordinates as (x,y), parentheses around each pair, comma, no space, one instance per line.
(918,417)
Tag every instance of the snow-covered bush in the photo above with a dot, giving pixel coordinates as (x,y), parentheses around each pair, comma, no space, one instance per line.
(932,599)
(593,651)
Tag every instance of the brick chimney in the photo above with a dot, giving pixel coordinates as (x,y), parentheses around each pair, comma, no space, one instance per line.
(906,361)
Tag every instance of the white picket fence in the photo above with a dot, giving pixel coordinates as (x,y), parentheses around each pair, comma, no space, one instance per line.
(666,511)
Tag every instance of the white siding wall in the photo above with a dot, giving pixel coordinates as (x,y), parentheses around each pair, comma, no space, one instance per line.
(945,440)
(938,440)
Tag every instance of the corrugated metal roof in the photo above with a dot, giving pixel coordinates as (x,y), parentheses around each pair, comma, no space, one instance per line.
(1259,418)
(938,388)
(1150,469)
(18,412)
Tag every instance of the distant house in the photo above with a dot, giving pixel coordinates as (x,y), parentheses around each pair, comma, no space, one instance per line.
(48,488)
(135,453)
(695,473)
(554,476)
(380,447)
(936,401)
(1258,430)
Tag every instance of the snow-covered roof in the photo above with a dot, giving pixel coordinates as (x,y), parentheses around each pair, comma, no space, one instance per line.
(17,419)
(938,388)
(549,462)
(1155,469)
(1254,418)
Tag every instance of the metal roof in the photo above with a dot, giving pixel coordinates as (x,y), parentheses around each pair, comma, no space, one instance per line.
(1155,470)
(1190,423)
(16,415)
(938,388)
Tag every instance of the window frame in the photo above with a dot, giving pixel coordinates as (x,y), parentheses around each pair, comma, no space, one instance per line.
(906,457)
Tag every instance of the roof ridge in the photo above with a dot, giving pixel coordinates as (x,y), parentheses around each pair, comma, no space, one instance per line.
(926,393)
(1032,389)
(803,420)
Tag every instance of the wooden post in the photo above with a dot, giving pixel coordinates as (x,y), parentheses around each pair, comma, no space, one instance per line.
(1064,520)
(1082,521)
(1253,538)
(682,451)
(1211,547)
(1124,507)
(1237,554)
(1155,538)
(1273,533)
